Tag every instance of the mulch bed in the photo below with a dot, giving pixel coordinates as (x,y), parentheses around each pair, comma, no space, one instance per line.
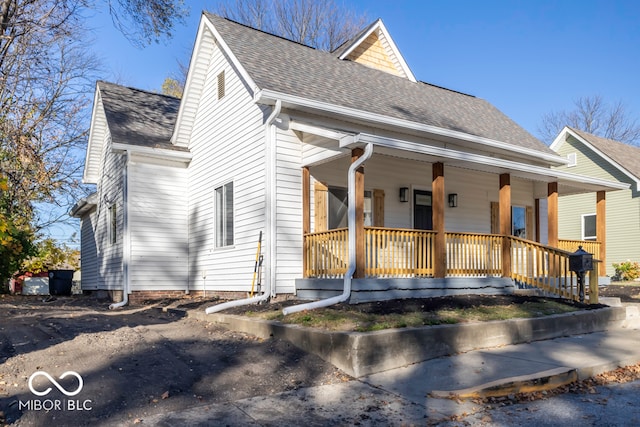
(417,304)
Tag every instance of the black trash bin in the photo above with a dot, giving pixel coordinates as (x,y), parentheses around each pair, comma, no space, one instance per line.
(60,282)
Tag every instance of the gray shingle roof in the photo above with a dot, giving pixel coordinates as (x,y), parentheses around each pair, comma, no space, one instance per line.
(138,117)
(627,156)
(283,66)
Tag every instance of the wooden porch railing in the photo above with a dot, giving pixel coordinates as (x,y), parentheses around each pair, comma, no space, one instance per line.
(590,246)
(327,254)
(473,255)
(391,252)
(398,252)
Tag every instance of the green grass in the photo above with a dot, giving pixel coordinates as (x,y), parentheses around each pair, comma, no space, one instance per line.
(354,320)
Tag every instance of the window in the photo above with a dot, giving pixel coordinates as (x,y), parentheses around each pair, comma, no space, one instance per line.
(338,207)
(224,215)
(519,222)
(113,222)
(589,227)
(221,88)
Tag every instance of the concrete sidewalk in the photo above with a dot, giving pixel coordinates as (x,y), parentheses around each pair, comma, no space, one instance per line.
(417,394)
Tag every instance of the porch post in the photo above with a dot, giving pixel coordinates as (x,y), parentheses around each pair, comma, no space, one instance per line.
(356,153)
(440,248)
(552,214)
(505,222)
(601,229)
(306,216)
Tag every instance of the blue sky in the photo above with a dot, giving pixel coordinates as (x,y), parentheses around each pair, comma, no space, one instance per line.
(525,57)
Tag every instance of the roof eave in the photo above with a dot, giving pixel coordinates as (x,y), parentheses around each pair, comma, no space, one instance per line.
(269,97)
(151,152)
(562,137)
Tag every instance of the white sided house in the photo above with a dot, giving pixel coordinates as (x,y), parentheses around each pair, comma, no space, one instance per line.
(446,194)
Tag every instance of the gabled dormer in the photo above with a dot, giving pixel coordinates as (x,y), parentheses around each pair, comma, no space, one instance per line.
(375,48)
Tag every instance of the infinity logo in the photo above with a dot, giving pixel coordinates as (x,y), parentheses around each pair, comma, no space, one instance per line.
(55,383)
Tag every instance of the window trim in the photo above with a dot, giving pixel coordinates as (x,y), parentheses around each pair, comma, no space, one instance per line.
(113,223)
(224,237)
(368,194)
(582,226)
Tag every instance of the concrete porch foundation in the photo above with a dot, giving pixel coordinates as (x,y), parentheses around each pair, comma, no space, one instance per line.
(376,289)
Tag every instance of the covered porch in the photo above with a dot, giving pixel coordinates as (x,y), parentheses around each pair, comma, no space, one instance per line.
(491,226)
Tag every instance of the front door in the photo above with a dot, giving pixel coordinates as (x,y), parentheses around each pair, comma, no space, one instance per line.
(422,210)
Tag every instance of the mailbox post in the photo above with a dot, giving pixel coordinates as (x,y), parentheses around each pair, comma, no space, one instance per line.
(580,262)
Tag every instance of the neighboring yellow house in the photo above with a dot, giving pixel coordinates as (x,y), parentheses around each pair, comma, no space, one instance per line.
(603,159)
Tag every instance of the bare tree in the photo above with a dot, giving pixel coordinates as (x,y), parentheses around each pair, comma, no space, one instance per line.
(593,115)
(46,77)
(322,24)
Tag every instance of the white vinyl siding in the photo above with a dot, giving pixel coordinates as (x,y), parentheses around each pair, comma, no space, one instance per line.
(475,190)
(288,199)
(110,192)
(158,226)
(227,145)
(88,252)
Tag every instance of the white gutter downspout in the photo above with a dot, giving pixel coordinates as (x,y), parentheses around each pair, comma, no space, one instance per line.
(126,253)
(270,218)
(346,293)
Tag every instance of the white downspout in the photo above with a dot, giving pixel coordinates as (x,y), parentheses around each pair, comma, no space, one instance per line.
(126,241)
(270,219)
(346,293)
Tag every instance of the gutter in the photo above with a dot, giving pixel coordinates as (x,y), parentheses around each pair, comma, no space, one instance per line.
(346,293)
(266,96)
(126,241)
(270,142)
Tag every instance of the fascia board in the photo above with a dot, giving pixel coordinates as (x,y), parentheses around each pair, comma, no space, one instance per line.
(379,26)
(545,174)
(87,176)
(396,51)
(360,39)
(316,130)
(206,25)
(266,96)
(156,153)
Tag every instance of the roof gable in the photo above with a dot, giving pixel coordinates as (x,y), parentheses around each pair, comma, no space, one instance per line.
(375,48)
(129,117)
(624,157)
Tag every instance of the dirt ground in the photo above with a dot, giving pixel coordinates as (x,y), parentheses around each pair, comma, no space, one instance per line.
(133,362)
(140,361)
(626,293)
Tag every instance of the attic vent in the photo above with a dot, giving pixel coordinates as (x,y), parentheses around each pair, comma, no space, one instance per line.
(221,85)
(573,159)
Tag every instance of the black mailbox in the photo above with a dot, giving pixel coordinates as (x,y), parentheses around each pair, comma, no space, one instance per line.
(580,261)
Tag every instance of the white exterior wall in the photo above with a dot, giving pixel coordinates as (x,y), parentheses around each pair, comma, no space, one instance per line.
(476,190)
(158,226)
(227,145)
(110,190)
(288,211)
(88,251)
